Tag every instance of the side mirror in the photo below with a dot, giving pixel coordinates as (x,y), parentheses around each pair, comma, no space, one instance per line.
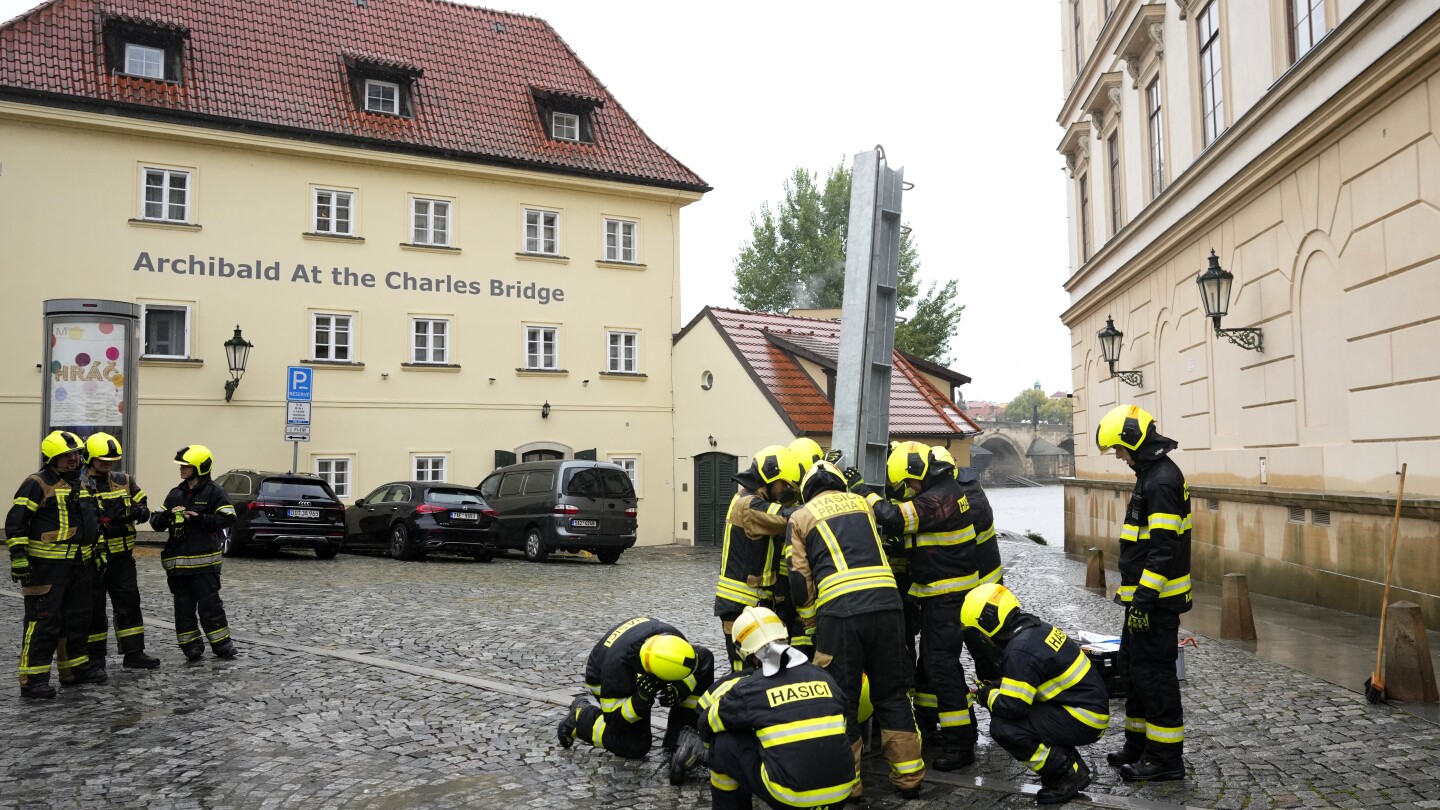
(359,501)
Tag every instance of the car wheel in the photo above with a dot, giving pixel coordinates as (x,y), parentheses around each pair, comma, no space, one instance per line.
(608,556)
(229,546)
(400,547)
(326,552)
(535,550)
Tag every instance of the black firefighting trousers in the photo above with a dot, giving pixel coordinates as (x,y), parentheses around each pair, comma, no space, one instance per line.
(1154,718)
(735,774)
(118,580)
(198,593)
(615,733)
(942,638)
(1045,739)
(57,615)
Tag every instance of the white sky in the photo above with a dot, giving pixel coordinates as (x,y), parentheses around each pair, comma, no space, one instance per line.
(963,95)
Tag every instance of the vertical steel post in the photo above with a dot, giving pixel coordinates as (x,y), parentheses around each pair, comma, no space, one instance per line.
(867,325)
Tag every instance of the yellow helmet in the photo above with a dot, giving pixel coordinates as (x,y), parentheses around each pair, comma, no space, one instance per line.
(58,443)
(756,627)
(667,657)
(1125,426)
(987,607)
(197,456)
(777,463)
(866,707)
(942,455)
(102,447)
(907,460)
(807,450)
(821,477)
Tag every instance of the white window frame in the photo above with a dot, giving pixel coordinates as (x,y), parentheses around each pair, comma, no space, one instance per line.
(630,463)
(1212,74)
(138,59)
(379,84)
(1314,19)
(1155,129)
(168,193)
(536,222)
(422,340)
(423,466)
(564,126)
(611,345)
(430,221)
(617,232)
(1084,199)
(334,474)
(332,331)
(145,307)
(331,199)
(535,360)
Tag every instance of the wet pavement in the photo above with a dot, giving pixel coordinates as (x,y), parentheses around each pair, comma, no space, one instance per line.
(373,683)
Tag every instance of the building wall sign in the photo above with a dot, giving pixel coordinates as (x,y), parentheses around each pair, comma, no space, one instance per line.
(260,270)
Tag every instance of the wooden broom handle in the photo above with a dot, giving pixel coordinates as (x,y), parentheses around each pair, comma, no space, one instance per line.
(1389,568)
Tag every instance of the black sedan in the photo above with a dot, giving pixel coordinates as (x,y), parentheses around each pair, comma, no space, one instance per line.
(412,518)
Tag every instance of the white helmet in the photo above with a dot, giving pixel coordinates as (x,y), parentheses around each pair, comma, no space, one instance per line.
(756,627)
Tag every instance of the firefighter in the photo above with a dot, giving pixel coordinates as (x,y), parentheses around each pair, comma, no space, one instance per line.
(51,532)
(1155,588)
(946,562)
(777,732)
(638,662)
(808,451)
(197,514)
(842,584)
(121,504)
(1048,700)
(748,558)
(985,656)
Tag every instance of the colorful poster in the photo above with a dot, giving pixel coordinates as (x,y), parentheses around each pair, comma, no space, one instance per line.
(87,377)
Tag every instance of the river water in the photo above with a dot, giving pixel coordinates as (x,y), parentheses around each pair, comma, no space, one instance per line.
(1031,509)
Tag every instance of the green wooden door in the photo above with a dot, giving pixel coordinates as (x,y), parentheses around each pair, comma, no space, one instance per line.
(713,490)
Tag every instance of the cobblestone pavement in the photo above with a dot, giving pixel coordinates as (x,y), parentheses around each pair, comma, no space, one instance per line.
(372,683)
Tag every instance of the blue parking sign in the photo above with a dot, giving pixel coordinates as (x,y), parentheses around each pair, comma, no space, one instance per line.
(298,381)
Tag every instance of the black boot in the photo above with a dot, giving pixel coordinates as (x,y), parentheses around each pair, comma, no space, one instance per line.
(1151,771)
(566,730)
(37,688)
(225,649)
(89,674)
(140,660)
(689,753)
(194,652)
(950,759)
(1125,756)
(1065,786)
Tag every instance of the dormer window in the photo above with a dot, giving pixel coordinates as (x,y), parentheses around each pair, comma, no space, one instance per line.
(144,48)
(567,116)
(383,87)
(565,126)
(382,97)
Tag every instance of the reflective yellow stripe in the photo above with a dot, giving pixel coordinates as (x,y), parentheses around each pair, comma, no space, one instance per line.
(850,580)
(1152,580)
(691,702)
(31,669)
(1037,759)
(1071,676)
(94,637)
(28,504)
(130,631)
(836,555)
(713,715)
(611,704)
(1135,724)
(73,662)
(944,586)
(192,561)
(1164,734)
(806,611)
(772,509)
(733,590)
(872,499)
(993,576)
(926,700)
(1174,523)
(908,766)
(226,509)
(187,636)
(1019,690)
(218,635)
(597,732)
(1176,586)
(1089,718)
(985,535)
(627,710)
(817,797)
(954,538)
(1126,593)
(799,730)
(12,542)
(720,781)
(955,719)
(911,517)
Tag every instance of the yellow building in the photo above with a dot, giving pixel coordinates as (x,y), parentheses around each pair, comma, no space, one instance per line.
(438,208)
(1299,140)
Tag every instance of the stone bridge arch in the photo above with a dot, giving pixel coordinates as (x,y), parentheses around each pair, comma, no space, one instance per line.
(1006,458)
(1042,452)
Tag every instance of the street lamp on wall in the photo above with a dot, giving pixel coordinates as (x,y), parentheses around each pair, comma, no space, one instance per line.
(545,410)
(237,354)
(1110,350)
(1215,285)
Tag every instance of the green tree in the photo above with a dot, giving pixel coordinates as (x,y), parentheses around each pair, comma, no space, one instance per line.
(796,258)
(1032,402)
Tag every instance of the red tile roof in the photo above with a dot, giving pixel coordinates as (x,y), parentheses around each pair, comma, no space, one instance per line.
(279,66)
(916,407)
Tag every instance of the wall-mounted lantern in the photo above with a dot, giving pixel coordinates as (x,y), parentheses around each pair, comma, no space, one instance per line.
(545,410)
(237,354)
(1110,350)
(1215,285)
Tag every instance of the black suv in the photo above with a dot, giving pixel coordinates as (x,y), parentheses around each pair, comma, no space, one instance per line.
(563,505)
(282,510)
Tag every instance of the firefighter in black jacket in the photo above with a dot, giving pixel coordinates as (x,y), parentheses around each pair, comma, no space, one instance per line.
(1155,587)
(121,504)
(197,513)
(637,662)
(51,531)
(749,561)
(842,584)
(807,451)
(776,731)
(1048,701)
(949,537)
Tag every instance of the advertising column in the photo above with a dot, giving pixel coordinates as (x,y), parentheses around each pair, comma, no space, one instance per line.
(92,351)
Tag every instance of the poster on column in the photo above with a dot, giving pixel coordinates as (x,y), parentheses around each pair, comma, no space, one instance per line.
(87,377)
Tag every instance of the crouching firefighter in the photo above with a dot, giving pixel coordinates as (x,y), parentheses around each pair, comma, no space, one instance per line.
(637,663)
(1049,700)
(121,504)
(778,730)
(197,514)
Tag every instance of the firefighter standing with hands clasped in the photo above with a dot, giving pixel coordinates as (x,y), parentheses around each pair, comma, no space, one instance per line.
(121,504)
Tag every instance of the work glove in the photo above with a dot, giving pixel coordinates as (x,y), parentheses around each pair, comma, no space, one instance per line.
(102,555)
(20,568)
(854,481)
(834,456)
(177,516)
(139,513)
(982,692)
(1137,620)
(670,695)
(646,686)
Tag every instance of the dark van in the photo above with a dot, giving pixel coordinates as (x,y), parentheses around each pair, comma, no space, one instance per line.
(563,505)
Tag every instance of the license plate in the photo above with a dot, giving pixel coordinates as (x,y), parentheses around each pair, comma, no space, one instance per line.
(464,516)
(583,524)
(303,513)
